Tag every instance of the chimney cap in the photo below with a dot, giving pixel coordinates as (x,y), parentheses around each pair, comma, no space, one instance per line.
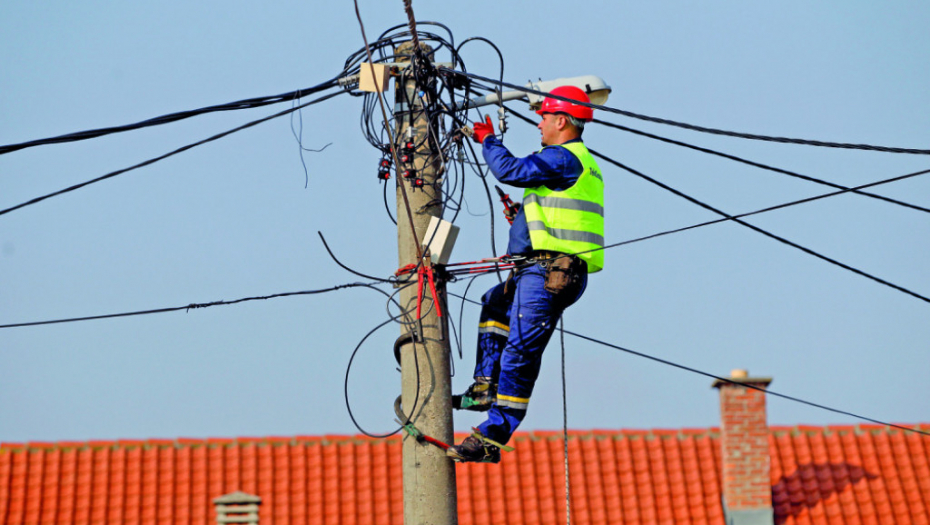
(237,498)
(740,376)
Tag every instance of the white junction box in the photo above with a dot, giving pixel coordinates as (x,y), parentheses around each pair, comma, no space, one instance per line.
(440,239)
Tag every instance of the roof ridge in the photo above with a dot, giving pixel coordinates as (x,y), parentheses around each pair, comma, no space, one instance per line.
(531,435)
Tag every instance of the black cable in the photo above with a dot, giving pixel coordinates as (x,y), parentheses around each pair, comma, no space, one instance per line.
(726,380)
(462,311)
(760,230)
(350,270)
(500,56)
(299,137)
(170,154)
(430,90)
(736,218)
(393,140)
(756,164)
(352,359)
(692,127)
(753,387)
(428,105)
(763,210)
(487,192)
(188,307)
(424,35)
(387,206)
(173,117)
(346,386)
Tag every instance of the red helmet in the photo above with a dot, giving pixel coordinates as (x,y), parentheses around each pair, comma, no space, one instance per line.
(554,105)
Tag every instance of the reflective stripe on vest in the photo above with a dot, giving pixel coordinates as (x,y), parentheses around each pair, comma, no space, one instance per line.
(566,235)
(565,203)
(570,221)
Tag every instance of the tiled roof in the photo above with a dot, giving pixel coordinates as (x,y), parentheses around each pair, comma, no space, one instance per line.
(820,475)
(845,474)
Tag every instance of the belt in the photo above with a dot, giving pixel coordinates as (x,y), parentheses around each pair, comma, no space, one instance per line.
(542,255)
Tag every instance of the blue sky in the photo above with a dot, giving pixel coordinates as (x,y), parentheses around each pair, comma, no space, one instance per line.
(233,218)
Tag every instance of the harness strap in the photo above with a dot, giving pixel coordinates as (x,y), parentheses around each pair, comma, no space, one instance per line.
(477,433)
(415,433)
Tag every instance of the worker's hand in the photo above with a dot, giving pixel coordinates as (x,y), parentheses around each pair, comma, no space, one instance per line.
(483,129)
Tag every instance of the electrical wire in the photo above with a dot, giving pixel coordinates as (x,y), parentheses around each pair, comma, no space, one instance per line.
(443,136)
(169,154)
(760,165)
(724,379)
(462,312)
(736,218)
(763,210)
(387,207)
(702,129)
(299,137)
(174,117)
(449,196)
(346,386)
(760,230)
(752,387)
(423,104)
(188,307)
(350,270)
(371,332)
(390,135)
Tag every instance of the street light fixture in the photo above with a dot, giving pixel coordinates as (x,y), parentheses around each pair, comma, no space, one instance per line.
(594,86)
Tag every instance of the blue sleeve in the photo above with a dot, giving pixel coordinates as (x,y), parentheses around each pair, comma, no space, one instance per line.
(553,167)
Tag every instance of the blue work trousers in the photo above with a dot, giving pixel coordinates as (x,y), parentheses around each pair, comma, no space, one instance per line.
(517,320)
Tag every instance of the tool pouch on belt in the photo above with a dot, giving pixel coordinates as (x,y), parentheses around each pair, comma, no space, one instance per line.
(563,273)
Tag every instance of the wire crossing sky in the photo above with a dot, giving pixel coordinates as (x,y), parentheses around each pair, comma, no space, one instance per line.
(238,216)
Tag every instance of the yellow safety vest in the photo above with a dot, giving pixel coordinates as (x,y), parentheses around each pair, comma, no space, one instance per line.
(570,221)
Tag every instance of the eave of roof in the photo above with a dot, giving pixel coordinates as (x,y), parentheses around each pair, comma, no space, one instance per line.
(819,475)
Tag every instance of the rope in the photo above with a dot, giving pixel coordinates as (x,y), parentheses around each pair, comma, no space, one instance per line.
(412,22)
(568,488)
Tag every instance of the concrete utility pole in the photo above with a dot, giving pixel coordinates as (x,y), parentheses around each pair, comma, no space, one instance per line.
(429,476)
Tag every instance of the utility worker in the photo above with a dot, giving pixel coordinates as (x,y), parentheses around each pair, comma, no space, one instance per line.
(561,220)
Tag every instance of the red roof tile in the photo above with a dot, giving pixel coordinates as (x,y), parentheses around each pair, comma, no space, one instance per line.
(820,475)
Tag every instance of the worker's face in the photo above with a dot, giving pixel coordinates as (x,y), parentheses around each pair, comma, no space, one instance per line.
(549,127)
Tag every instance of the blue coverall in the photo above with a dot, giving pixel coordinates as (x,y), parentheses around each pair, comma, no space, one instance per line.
(518,318)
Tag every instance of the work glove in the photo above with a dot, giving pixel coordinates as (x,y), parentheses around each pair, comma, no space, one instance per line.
(510,212)
(483,129)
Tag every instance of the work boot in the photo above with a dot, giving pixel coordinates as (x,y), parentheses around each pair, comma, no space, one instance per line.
(479,397)
(474,449)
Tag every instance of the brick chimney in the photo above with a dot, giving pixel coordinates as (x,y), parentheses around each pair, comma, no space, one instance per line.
(747,484)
